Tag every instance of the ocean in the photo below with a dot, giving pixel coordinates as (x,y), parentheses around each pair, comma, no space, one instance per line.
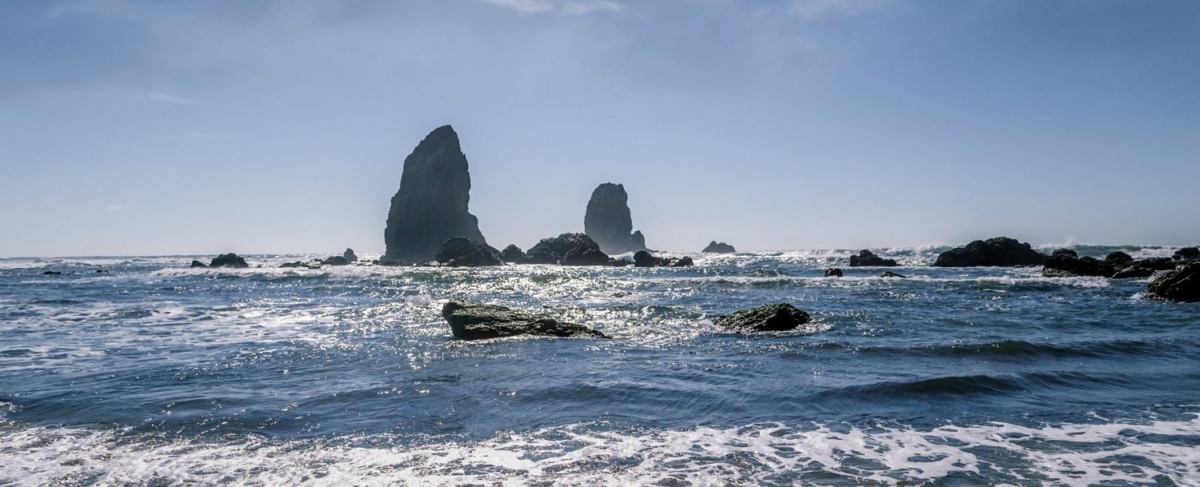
(154,374)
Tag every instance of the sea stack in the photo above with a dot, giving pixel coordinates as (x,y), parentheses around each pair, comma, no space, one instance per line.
(608,222)
(431,206)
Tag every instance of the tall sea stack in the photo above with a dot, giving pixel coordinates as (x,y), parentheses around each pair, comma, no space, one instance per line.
(607,221)
(431,206)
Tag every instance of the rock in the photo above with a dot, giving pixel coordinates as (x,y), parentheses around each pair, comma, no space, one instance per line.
(293,265)
(512,253)
(431,205)
(999,252)
(52,273)
(463,252)
(772,317)
(1119,259)
(349,255)
(609,223)
(1187,253)
(1182,284)
(101,271)
(1133,272)
(866,258)
(336,260)
(833,272)
(480,321)
(196,263)
(1157,263)
(585,256)
(893,274)
(229,260)
(1069,252)
(1145,268)
(644,258)
(554,250)
(1065,265)
(716,247)
(683,262)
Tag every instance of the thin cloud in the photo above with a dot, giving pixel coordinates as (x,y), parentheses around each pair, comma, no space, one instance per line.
(815,9)
(569,7)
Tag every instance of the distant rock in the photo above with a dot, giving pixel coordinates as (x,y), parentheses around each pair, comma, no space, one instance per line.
(198,264)
(481,321)
(1187,253)
(1067,252)
(349,255)
(772,317)
(585,256)
(512,254)
(294,265)
(101,271)
(52,273)
(555,250)
(644,258)
(998,252)
(833,272)
(1119,258)
(1178,285)
(463,252)
(1066,265)
(431,205)
(716,247)
(866,258)
(893,274)
(230,260)
(336,260)
(609,223)
(683,262)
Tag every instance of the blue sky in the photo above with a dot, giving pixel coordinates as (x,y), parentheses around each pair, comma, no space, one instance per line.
(139,127)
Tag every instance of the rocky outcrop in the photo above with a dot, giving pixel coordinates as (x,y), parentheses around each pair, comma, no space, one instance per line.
(866,258)
(481,321)
(230,260)
(833,272)
(567,249)
(464,252)
(997,252)
(349,255)
(1119,259)
(198,265)
(772,317)
(431,205)
(1066,265)
(644,258)
(1067,252)
(513,254)
(716,247)
(1187,253)
(336,260)
(1182,284)
(609,223)
(683,262)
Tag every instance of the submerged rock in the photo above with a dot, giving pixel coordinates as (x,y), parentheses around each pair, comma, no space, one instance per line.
(431,205)
(1178,285)
(1187,253)
(833,272)
(229,260)
(512,254)
(893,274)
(772,317)
(480,321)
(555,250)
(463,252)
(198,264)
(716,247)
(349,255)
(609,223)
(866,258)
(998,252)
(52,273)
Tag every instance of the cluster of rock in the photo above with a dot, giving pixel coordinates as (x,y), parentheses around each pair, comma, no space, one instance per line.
(609,223)
(1117,265)
(716,247)
(998,252)
(866,258)
(229,261)
(645,259)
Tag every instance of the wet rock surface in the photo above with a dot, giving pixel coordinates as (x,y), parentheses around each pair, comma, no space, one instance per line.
(866,258)
(1182,284)
(230,260)
(995,252)
(482,321)
(464,252)
(772,317)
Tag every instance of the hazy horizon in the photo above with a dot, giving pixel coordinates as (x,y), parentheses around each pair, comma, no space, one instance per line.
(139,128)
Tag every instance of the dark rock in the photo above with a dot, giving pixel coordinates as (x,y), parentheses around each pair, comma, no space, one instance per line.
(1134,272)
(1064,265)
(1157,263)
(1067,252)
(293,265)
(999,252)
(512,253)
(554,250)
(833,272)
(716,247)
(52,273)
(644,258)
(1145,268)
(585,256)
(463,252)
(480,321)
(196,263)
(1119,259)
(336,260)
(349,255)
(683,262)
(866,258)
(431,205)
(618,262)
(1187,253)
(1178,285)
(101,271)
(608,221)
(893,274)
(772,317)
(230,260)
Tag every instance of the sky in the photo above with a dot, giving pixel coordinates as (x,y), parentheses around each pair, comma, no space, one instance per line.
(198,127)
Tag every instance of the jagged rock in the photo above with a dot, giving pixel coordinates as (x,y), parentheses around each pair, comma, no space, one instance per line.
(1067,252)
(336,260)
(716,247)
(585,256)
(893,274)
(644,258)
(683,262)
(1119,259)
(1145,267)
(480,321)
(1065,265)
(1133,272)
(1187,253)
(1182,284)
(349,255)
(230,260)
(512,253)
(833,272)
(999,252)
(608,221)
(554,250)
(431,205)
(198,264)
(772,317)
(463,252)
(866,258)
(293,265)
(1158,263)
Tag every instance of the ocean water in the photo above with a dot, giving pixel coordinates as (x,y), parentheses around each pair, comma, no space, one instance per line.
(156,374)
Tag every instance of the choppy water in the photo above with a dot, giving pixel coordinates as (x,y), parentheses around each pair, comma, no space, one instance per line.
(155,374)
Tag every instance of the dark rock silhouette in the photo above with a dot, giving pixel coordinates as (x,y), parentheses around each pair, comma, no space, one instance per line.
(1133,272)
(198,264)
(644,258)
(683,262)
(609,223)
(1182,284)
(230,260)
(431,205)
(336,260)
(464,252)
(716,247)
(772,317)
(513,254)
(866,258)
(1118,258)
(1187,253)
(556,250)
(480,321)
(1066,265)
(998,252)
(52,273)
(296,264)
(583,255)
(893,274)
(833,272)
(1069,252)
(349,255)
